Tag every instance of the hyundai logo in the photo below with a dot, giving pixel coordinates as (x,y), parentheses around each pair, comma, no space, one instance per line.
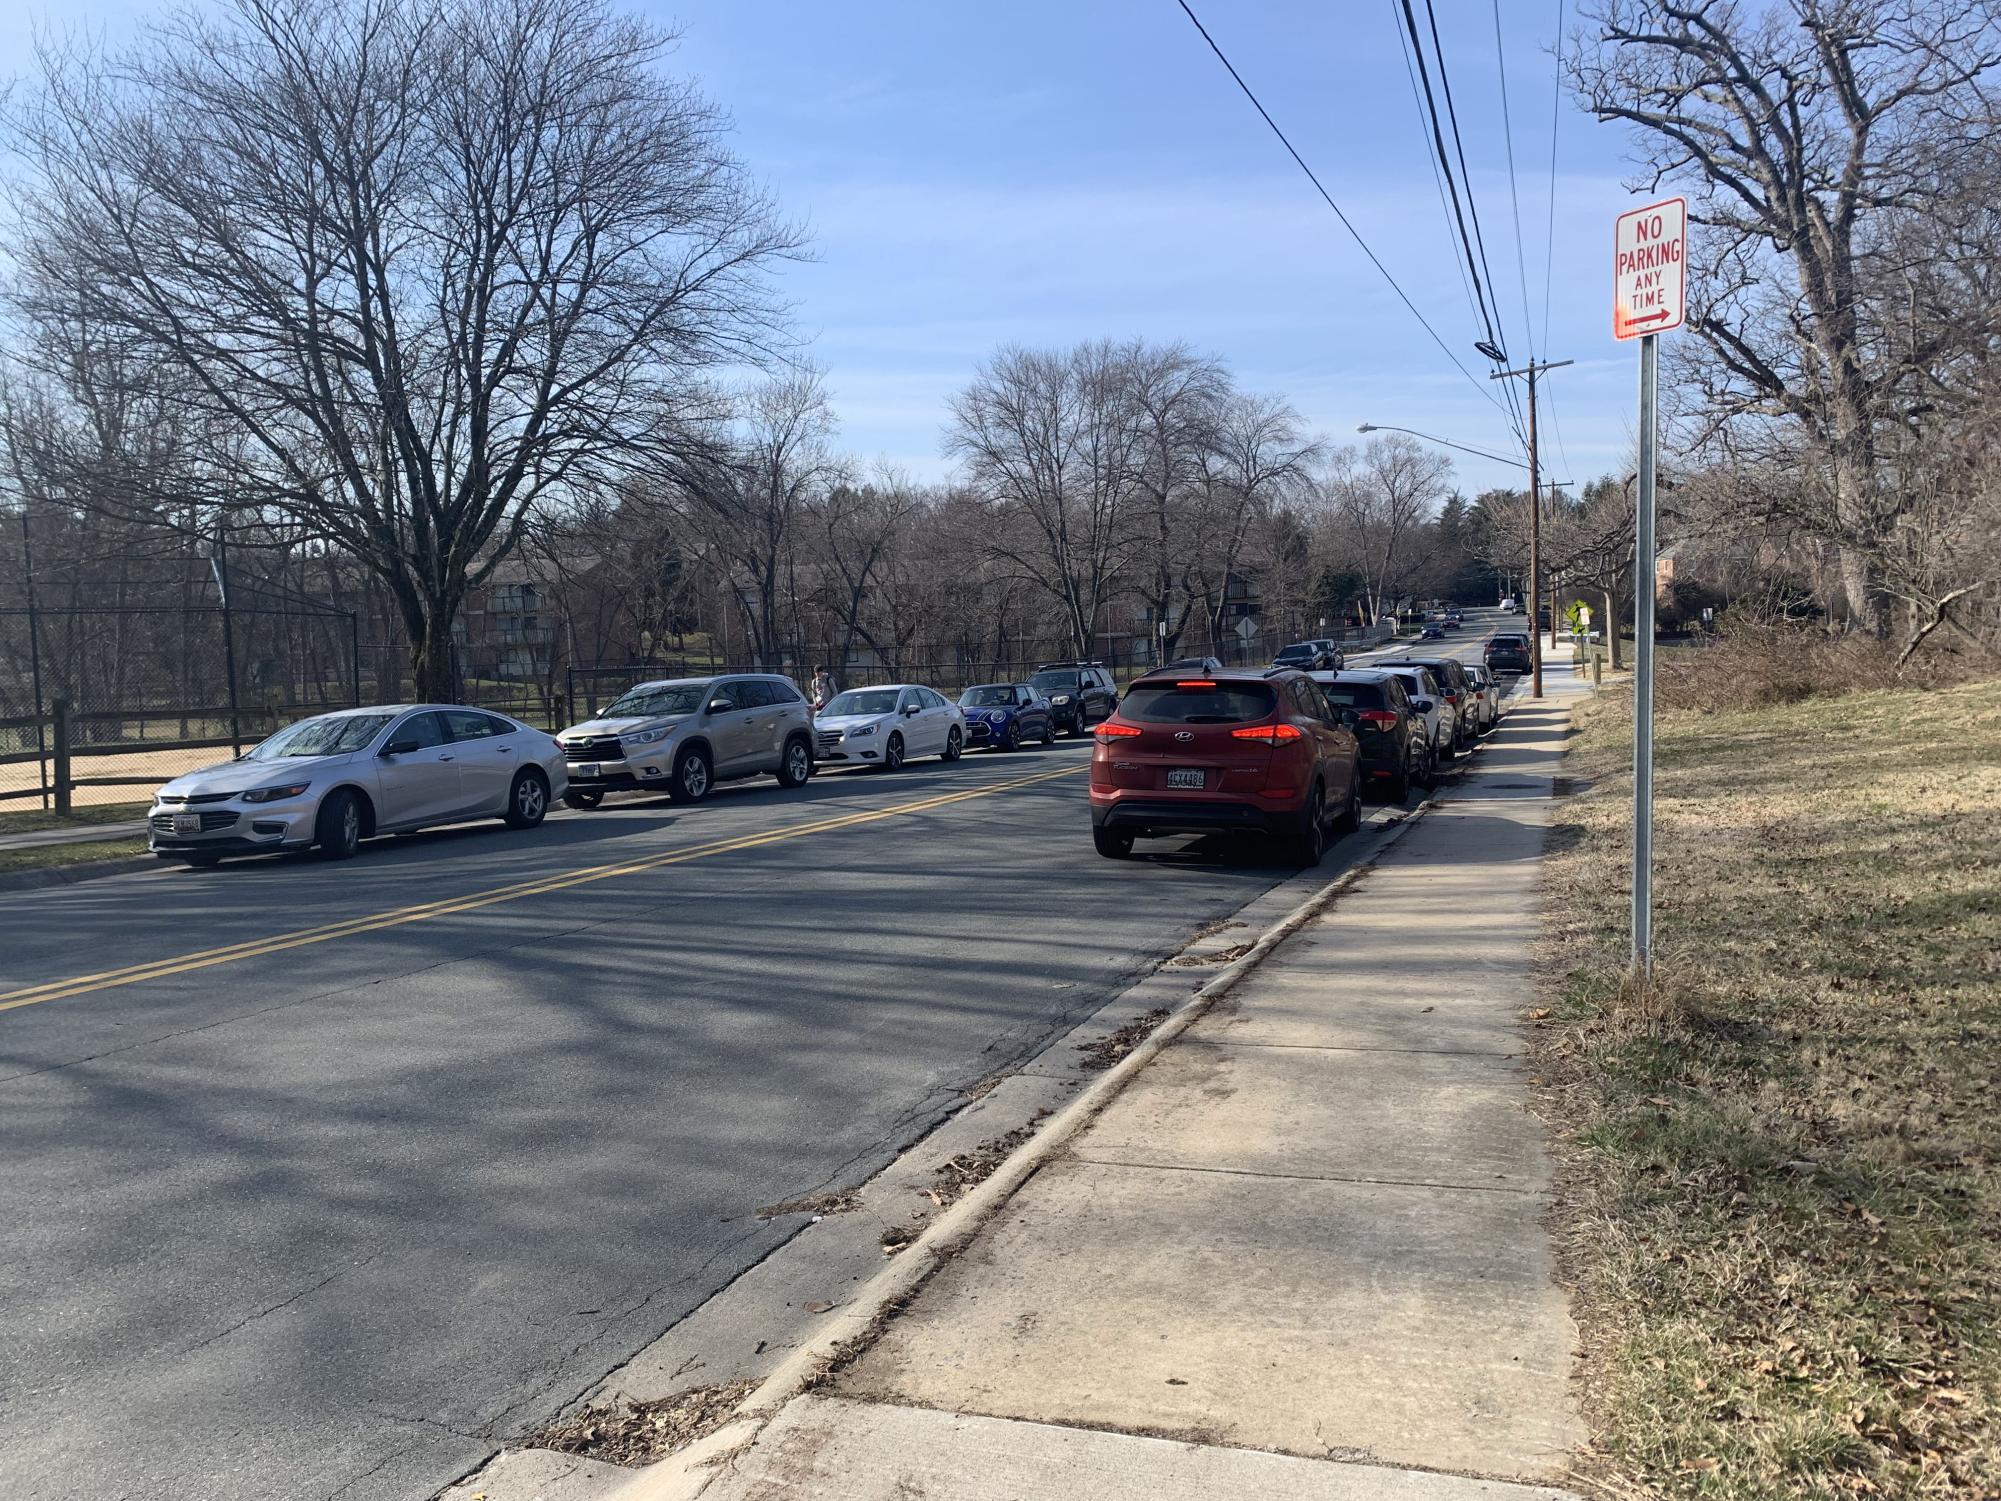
(1184,734)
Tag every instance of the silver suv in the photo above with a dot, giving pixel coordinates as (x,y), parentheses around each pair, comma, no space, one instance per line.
(685,735)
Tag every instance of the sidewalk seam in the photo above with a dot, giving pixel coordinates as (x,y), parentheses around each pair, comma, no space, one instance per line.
(1245,1172)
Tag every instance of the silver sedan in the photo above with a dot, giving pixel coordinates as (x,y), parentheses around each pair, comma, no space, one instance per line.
(331,781)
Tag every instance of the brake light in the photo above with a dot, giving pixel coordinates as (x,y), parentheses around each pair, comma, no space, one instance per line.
(1386,718)
(1110,730)
(1195,685)
(1267,734)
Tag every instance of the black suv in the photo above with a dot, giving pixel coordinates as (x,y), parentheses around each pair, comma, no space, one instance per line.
(1507,653)
(1459,692)
(1395,750)
(1079,693)
(1319,655)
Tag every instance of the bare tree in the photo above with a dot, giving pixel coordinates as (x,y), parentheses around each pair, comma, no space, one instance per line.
(1819,140)
(1257,454)
(433,260)
(1383,497)
(1176,400)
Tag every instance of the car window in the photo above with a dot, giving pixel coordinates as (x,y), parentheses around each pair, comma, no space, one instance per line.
(909,700)
(936,699)
(988,698)
(753,693)
(425,730)
(1354,695)
(784,691)
(328,735)
(470,724)
(1197,702)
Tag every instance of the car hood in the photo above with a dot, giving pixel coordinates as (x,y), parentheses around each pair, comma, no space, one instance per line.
(624,726)
(244,776)
(846,722)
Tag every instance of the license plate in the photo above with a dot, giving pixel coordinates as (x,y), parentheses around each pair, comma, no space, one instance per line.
(187,823)
(584,769)
(1179,778)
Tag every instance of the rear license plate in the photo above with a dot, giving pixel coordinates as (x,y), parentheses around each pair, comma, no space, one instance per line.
(584,769)
(1181,778)
(187,823)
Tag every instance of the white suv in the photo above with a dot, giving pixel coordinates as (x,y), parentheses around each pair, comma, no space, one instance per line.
(685,735)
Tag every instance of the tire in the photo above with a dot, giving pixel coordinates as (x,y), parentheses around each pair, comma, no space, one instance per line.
(692,776)
(1080,726)
(892,753)
(796,767)
(1351,815)
(1011,741)
(337,830)
(1397,790)
(204,862)
(955,745)
(1049,730)
(1430,776)
(1450,750)
(1307,844)
(582,799)
(1113,846)
(527,800)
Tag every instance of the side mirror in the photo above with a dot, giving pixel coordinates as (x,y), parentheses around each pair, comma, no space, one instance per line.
(910,708)
(398,748)
(721,705)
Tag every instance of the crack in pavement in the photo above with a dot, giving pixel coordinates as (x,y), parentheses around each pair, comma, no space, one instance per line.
(285,1303)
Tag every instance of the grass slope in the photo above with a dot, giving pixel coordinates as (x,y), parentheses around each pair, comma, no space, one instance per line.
(1780,1194)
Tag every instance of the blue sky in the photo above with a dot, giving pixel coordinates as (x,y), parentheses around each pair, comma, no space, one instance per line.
(1041,172)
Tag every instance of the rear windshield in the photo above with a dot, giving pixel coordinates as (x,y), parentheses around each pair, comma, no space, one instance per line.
(1521,641)
(1296,653)
(1354,695)
(1197,702)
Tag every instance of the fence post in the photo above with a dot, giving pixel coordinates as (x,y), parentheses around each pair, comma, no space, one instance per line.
(60,750)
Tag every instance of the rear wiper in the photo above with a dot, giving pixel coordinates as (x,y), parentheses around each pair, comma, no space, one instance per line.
(1207,719)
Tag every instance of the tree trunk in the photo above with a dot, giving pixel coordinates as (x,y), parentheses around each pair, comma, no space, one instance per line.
(433,654)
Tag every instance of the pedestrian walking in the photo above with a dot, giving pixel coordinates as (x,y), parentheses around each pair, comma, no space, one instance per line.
(824,688)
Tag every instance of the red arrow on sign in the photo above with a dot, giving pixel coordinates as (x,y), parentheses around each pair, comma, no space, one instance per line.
(1650,318)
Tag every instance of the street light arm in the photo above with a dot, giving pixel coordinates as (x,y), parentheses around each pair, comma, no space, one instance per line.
(1380,427)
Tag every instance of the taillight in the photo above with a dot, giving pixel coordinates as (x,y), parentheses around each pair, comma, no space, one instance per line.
(1111,730)
(1384,719)
(1267,734)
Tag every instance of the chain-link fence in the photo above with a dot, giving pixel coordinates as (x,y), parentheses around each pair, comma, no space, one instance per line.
(100,704)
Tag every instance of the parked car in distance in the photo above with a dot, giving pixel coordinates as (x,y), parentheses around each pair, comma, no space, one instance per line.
(1079,693)
(1458,689)
(1006,716)
(334,780)
(1486,695)
(1309,656)
(1394,742)
(1192,664)
(1428,703)
(1507,653)
(682,736)
(886,726)
(1508,607)
(1233,752)
(1432,632)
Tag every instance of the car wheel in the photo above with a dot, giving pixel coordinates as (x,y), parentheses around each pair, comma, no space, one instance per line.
(892,754)
(1112,846)
(690,782)
(1309,839)
(797,764)
(204,862)
(1351,815)
(1011,740)
(1397,789)
(1049,731)
(337,831)
(955,744)
(527,800)
(582,799)
(1449,748)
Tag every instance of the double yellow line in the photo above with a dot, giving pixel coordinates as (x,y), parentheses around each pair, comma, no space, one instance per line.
(56,990)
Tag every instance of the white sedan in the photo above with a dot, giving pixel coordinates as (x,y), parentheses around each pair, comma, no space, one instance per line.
(330,782)
(887,726)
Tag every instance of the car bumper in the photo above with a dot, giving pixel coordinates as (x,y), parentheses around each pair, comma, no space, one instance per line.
(1153,814)
(979,732)
(250,829)
(620,776)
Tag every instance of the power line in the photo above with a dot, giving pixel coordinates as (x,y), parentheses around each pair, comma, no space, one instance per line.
(1444,208)
(1491,319)
(1514,191)
(1356,234)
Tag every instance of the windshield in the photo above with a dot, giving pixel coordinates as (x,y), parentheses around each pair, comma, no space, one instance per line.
(863,701)
(659,698)
(329,735)
(1055,682)
(1294,653)
(1197,703)
(988,698)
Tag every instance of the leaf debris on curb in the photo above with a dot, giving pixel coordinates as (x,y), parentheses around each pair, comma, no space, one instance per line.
(839,1201)
(958,1177)
(631,1433)
(1110,1049)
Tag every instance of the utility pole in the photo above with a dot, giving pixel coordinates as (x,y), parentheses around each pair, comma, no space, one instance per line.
(1529,372)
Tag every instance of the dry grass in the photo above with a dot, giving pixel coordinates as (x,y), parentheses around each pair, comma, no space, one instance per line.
(1780,1195)
(1755,666)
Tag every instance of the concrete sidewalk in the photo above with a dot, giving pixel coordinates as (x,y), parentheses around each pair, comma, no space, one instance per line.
(1300,1256)
(90,833)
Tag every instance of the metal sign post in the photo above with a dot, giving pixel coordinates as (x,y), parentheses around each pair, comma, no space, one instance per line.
(1650,283)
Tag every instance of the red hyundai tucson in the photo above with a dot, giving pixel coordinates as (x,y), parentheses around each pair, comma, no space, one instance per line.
(1231,751)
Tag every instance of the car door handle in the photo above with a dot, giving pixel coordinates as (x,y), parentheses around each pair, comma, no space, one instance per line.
(448,758)
(503,750)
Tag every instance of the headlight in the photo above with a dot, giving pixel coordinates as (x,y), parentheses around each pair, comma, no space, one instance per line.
(644,737)
(276,794)
(1061,698)
(863,731)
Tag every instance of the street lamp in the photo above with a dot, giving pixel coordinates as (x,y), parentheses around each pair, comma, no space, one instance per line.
(1379,427)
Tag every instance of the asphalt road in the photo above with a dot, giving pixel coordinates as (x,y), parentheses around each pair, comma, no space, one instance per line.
(323,1179)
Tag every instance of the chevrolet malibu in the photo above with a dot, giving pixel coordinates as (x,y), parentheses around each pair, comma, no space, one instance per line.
(330,782)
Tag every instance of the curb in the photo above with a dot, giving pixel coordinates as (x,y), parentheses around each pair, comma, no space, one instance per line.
(683,1476)
(69,875)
